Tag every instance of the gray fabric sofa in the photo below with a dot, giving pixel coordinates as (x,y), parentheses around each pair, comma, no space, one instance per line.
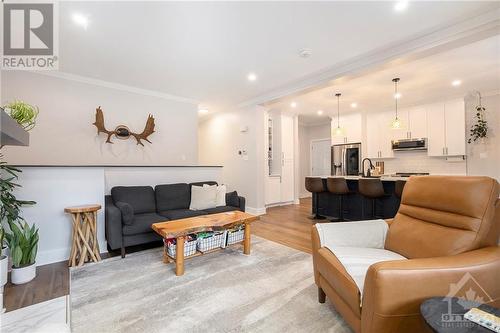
(131,210)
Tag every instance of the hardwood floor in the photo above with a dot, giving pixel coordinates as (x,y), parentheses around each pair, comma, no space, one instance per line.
(288,225)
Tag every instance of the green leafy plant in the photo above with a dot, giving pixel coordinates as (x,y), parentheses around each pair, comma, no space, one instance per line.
(25,114)
(10,206)
(23,243)
(479,129)
(2,235)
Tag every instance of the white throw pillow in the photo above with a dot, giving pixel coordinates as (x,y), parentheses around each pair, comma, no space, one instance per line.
(203,197)
(221,194)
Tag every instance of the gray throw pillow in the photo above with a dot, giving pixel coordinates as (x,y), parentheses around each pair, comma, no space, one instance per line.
(127,212)
(232,199)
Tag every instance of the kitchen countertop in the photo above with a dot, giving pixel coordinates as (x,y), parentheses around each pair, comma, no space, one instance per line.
(387,178)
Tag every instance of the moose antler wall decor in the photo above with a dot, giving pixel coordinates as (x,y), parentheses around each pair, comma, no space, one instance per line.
(123,132)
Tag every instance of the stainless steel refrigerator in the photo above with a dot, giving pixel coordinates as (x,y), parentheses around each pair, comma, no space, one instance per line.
(346,159)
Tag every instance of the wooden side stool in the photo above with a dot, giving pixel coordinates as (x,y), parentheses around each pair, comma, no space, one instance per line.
(84,245)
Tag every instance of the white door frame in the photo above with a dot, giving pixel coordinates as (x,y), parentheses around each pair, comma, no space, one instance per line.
(310,150)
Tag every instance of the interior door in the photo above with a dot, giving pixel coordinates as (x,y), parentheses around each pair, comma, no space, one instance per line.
(287,171)
(321,158)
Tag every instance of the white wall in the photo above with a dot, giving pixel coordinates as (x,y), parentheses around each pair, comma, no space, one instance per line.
(64,134)
(220,141)
(484,156)
(306,135)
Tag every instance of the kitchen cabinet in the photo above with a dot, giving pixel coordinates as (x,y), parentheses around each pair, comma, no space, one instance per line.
(273,190)
(414,121)
(446,128)
(351,123)
(379,135)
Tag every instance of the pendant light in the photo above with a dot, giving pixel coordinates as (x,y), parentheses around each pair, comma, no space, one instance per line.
(339,131)
(396,123)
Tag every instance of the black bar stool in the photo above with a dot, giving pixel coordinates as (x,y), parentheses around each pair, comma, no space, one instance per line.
(371,188)
(398,188)
(338,186)
(315,186)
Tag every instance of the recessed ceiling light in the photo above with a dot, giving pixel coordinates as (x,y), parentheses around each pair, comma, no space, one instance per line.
(81,20)
(203,110)
(354,105)
(456,83)
(400,6)
(320,112)
(305,53)
(293,104)
(397,95)
(252,77)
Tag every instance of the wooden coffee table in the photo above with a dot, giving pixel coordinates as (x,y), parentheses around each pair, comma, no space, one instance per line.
(179,229)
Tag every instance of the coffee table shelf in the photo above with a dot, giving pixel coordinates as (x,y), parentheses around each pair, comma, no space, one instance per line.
(179,229)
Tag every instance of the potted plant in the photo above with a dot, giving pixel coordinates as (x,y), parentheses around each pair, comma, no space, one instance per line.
(23,242)
(10,206)
(3,260)
(25,114)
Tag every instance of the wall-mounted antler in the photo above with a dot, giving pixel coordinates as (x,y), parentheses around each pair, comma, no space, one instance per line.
(122,131)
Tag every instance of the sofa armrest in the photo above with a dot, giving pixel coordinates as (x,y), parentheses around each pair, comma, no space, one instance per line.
(353,234)
(242,203)
(113,223)
(395,289)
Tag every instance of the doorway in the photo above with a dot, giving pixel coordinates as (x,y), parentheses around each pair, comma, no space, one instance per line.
(321,157)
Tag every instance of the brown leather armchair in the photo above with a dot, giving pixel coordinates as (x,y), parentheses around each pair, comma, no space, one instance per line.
(377,273)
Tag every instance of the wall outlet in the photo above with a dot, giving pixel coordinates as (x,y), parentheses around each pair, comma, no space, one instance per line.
(483,155)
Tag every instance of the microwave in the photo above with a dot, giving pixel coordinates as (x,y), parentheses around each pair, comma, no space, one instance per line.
(409,144)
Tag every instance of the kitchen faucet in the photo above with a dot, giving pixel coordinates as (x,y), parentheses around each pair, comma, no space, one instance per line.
(370,166)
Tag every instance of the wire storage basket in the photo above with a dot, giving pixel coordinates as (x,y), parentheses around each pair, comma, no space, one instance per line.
(236,235)
(189,246)
(210,240)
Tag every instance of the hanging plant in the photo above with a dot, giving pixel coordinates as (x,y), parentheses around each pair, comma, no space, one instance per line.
(24,113)
(479,129)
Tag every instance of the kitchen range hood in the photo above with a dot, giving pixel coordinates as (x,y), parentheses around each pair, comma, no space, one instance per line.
(11,133)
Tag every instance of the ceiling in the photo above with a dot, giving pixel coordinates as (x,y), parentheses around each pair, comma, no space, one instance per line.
(204,50)
(426,80)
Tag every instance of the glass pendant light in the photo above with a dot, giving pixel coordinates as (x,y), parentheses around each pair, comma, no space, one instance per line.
(396,124)
(339,131)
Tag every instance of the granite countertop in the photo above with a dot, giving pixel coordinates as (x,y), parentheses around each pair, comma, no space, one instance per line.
(383,178)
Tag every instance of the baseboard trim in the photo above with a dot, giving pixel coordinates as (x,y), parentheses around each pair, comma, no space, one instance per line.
(255,211)
(58,255)
(305,195)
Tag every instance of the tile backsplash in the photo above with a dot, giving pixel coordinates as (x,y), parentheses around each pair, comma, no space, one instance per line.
(418,161)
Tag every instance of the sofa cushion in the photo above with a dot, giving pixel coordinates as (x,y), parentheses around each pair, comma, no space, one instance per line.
(220,209)
(176,214)
(141,198)
(203,197)
(142,223)
(127,212)
(357,260)
(172,196)
(232,199)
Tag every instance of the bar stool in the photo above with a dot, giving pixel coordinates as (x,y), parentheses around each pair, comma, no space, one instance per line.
(398,188)
(315,186)
(338,186)
(371,188)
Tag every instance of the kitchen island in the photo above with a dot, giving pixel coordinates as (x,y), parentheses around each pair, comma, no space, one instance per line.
(356,207)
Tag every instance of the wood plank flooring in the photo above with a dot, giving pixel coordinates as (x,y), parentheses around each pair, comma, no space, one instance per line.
(288,225)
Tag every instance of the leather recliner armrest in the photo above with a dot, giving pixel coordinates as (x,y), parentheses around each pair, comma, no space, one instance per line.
(394,290)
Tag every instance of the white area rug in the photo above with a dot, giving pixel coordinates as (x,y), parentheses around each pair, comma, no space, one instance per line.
(272,290)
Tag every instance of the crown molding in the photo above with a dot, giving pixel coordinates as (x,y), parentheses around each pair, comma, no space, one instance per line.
(423,45)
(116,86)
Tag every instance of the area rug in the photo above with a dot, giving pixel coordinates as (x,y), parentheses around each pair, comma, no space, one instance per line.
(272,290)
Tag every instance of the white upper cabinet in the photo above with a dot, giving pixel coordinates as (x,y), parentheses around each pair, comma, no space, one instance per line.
(454,112)
(446,128)
(379,135)
(351,123)
(436,130)
(417,122)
